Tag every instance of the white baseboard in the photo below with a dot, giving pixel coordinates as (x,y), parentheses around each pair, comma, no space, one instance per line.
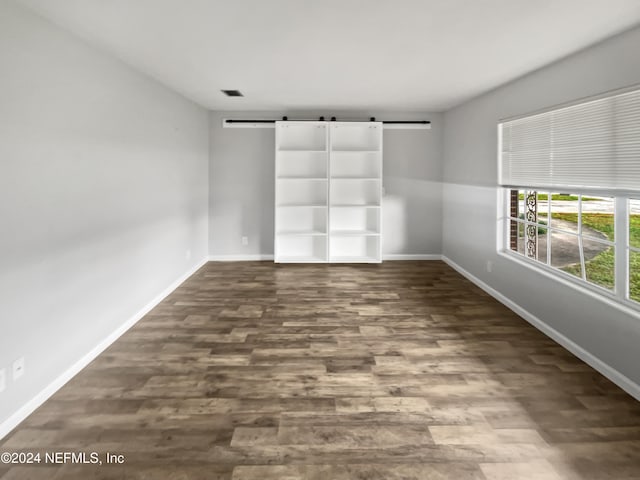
(27,409)
(268,256)
(241,258)
(611,373)
(412,256)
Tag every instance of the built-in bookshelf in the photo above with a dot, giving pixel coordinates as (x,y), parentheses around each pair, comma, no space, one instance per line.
(302,192)
(328,191)
(355,191)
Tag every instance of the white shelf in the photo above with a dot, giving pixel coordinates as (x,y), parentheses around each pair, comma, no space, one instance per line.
(353,150)
(352,247)
(351,192)
(301,260)
(356,136)
(341,259)
(355,178)
(301,136)
(356,164)
(305,219)
(301,232)
(302,178)
(348,233)
(301,164)
(302,150)
(298,247)
(302,193)
(302,190)
(300,205)
(364,205)
(354,219)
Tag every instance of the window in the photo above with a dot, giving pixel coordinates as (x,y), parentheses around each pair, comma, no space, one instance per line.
(569,232)
(571,179)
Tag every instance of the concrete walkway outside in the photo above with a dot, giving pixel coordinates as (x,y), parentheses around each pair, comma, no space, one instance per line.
(564,246)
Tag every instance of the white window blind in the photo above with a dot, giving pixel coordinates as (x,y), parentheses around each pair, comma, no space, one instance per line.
(594,144)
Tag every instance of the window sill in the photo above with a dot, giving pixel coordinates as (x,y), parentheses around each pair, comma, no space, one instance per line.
(625,306)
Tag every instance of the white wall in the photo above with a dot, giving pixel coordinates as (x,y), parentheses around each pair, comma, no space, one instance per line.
(103,190)
(470,199)
(242,185)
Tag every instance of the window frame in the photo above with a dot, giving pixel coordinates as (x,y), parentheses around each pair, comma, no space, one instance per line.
(619,296)
(629,248)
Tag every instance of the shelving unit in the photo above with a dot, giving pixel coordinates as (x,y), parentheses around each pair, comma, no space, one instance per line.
(302,192)
(355,192)
(328,192)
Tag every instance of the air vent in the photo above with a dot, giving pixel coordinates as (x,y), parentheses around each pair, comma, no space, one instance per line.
(232,93)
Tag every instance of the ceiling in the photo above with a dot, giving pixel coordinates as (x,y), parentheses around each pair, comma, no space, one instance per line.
(402,55)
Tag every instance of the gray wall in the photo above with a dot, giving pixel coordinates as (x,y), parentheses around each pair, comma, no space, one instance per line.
(470,199)
(241,180)
(103,192)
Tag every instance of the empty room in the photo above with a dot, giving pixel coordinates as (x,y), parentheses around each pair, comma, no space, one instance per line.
(320,240)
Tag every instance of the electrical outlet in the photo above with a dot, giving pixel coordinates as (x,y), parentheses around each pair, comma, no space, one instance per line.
(18,368)
(187,255)
(245,241)
(3,379)
(489,266)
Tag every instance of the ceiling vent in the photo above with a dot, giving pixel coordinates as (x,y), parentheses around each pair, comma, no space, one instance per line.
(232,93)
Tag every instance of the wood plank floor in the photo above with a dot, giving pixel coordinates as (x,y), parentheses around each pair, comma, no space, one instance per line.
(403,370)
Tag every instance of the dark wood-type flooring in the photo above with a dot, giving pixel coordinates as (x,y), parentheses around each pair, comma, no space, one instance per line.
(403,370)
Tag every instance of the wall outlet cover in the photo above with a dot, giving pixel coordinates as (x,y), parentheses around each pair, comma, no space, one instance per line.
(245,241)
